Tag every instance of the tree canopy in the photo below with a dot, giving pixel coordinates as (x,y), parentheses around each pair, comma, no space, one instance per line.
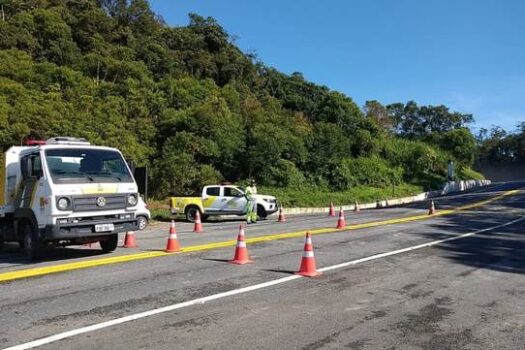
(188,103)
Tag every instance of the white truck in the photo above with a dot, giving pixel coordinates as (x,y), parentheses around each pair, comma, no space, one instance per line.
(65,191)
(221,200)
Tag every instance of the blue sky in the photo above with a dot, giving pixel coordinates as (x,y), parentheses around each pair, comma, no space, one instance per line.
(466,54)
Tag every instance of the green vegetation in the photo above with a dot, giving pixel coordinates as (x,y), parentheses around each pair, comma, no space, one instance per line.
(187,103)
(317,197)
(498,147)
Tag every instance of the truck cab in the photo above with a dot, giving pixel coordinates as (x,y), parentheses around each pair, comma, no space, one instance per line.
(65,191)
(221,200)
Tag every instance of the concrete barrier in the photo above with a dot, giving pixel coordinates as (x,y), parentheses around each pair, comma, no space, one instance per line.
(450,187)
(460,186)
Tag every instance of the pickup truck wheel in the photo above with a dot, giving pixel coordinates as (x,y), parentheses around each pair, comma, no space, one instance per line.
(32,244)
(261,212)
(110,244)
(191,214)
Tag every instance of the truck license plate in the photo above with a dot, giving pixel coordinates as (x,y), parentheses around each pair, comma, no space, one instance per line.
(104,227)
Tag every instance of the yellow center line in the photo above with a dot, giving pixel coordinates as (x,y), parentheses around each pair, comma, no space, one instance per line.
(40,271)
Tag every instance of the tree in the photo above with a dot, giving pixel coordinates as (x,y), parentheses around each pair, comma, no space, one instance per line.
(375,111)
(461,144)
(188,103)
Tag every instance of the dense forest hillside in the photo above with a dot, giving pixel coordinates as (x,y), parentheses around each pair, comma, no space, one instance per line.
(188,103)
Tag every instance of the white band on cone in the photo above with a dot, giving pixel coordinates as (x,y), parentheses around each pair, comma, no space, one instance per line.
(308,254)
(309,240)
(241,244)
(173,236)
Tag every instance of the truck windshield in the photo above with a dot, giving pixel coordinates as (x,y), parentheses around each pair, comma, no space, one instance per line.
(80,165)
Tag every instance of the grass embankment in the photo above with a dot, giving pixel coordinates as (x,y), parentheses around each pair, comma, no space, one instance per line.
(469,174)
(316,197)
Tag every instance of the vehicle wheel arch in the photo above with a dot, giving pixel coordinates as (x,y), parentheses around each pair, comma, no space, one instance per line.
(22,217)
(192,208)
(261,211)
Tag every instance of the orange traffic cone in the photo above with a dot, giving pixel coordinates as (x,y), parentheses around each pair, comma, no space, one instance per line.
(198,223)
(173,242)
(282,218)
(129,240)
(241,252)
(341,221)
(432,209)
(332,210)
(357,209)
(307,267)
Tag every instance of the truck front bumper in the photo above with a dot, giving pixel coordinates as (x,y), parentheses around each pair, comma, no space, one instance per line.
(86,229)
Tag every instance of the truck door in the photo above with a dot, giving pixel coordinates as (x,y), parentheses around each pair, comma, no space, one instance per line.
(211,200)
(234,201)
(31,168)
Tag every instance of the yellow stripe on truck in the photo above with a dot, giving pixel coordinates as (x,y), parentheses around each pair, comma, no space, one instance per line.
(41,271)
(208,202)
(33,193)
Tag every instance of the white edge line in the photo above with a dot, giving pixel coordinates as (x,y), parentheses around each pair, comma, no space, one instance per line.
(117,321)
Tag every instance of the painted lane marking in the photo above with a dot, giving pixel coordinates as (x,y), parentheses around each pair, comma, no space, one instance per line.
(203,300)
(41,271)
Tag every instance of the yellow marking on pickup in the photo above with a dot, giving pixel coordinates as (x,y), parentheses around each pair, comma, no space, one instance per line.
(41,271)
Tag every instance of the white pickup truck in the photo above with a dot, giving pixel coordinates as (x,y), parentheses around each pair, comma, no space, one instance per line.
(221,200)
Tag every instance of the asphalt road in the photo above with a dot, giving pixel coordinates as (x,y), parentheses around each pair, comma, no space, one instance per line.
(465,293)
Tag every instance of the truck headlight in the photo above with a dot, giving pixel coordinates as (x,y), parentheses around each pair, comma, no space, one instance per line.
(132,200)
(63,203)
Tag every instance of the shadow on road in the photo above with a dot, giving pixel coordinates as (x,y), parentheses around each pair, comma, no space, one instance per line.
(11,254)
(458,199)
(501,249)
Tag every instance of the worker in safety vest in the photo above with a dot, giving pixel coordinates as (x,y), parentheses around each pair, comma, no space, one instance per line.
(251,204)
(451,176)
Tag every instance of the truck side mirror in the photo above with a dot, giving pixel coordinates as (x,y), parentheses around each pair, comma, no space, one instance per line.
(36,167)
(38,173)
(25,167)
(132,166)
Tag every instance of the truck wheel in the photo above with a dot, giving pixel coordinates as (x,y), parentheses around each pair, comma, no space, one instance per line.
(261,212)
(110,244)
(32,244)
(191,213)
(142,222)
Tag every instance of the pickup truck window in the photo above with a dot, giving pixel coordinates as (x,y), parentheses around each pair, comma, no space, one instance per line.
(232,192)
(213,191)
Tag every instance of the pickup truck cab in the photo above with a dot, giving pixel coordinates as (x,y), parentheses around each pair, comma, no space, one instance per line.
(221,200)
